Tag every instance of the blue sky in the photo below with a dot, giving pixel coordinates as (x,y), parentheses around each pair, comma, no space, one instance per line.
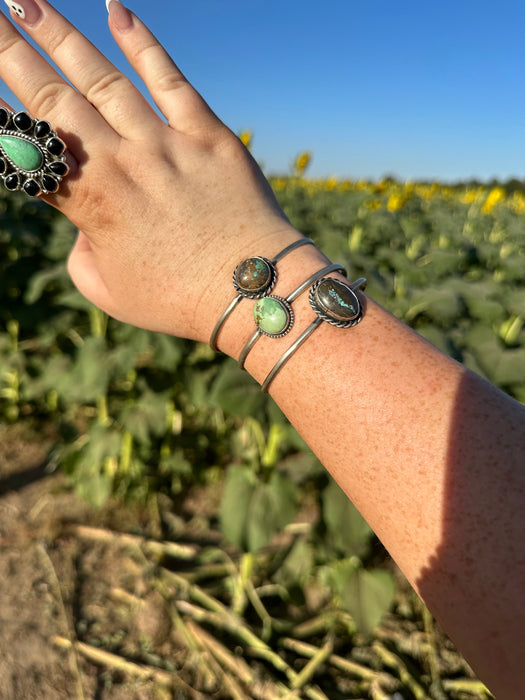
(419,90)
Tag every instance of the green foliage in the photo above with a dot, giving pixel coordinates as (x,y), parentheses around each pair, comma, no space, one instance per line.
(137,412)
(253,511)
(365,593)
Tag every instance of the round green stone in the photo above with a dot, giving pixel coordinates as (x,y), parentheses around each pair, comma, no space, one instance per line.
(271,316)
(21,152)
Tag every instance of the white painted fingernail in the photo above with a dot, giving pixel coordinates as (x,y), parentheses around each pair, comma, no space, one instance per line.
(26,10)
(121,18)
(17,9)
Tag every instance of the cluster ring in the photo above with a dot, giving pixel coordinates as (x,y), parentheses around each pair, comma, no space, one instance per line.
(32,157)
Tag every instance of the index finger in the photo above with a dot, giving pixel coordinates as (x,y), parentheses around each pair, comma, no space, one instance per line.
(40,88)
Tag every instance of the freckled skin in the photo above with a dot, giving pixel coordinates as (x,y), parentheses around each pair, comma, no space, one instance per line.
(415,440)
(434,460)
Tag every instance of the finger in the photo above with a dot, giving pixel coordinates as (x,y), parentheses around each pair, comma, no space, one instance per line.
(39,87)
(106,88)
(176,98)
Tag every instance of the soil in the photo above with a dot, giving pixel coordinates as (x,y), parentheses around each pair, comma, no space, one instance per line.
(54,584)
(92,603)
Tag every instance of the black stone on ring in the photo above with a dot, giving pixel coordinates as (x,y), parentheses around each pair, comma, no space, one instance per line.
(31,154)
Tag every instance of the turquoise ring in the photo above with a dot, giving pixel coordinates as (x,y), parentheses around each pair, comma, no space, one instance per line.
(32,157)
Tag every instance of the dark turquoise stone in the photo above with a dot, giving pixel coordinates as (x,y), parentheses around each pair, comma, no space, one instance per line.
(12,182)
(4,117)
(338,300)
(253,275)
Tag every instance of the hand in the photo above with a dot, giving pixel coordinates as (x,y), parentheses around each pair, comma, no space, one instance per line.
(166,210)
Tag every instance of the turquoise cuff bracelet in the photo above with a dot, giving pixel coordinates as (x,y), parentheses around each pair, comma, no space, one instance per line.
(274,316)
(333,301)
(254,278)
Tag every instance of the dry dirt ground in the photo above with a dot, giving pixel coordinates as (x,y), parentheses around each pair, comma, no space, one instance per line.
(53,582)
(95,605)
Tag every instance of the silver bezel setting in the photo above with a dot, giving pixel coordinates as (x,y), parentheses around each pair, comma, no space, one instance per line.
(44,171)
(325,314)
(262,291)
(287,307)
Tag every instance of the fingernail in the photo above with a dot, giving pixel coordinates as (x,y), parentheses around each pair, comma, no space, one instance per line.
(120,15)
(27,10)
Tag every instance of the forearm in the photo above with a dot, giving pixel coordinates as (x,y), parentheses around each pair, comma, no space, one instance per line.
(432,455)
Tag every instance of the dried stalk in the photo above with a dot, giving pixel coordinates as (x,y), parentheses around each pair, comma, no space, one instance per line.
(467,685)
(317,660)
(232,625)
(350,667)
(109,660)
(55,586)
(223,655)
(152,547)
(393,661)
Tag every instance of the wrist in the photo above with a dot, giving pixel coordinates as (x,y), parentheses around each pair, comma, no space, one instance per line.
(239,324)
(295,268)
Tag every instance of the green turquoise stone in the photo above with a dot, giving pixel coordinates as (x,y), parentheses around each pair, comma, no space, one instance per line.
(338,300)
(271,316)
(21,152)
(253,274)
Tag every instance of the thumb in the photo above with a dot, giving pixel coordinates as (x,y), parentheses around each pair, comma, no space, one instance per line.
(83,270)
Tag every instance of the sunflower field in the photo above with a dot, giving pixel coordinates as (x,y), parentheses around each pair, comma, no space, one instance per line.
(278,584)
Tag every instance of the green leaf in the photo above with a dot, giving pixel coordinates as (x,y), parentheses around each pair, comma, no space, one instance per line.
(86,463)
(72,299)
(367,596)
(272,507)
(283,495)
(96,490)
(236,504)
(40,280)
(167,351)
(297,566)
(235,392)
(348,532)
(260,523)
(146,416)
(440,304)
(88,378)
(510,368)
(301,467)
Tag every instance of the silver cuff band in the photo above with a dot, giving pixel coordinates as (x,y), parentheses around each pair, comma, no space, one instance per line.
(358,284)
(263,290)
(333,267)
